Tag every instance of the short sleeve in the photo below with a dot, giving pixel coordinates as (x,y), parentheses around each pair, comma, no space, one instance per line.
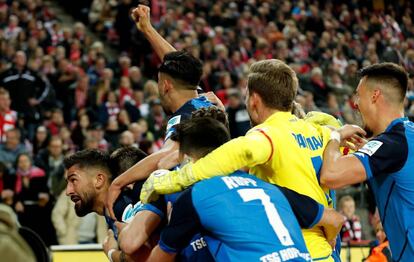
(170,126)
(384,154)
(158,206)
(184,224)
(125,208)
(308,212)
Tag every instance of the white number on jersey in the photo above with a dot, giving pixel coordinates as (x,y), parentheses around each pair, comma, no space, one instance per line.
(250,194)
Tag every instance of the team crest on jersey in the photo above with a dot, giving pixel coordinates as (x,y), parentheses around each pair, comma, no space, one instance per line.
(173,121)
(371,147)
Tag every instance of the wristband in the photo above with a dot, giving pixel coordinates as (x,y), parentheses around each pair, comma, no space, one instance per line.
(110,252)
(335,136)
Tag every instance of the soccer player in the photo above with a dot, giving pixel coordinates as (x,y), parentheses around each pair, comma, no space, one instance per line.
(131,238)
(178,79)
(386,162)
(242,217)
(89,174)
(135,234)
(280,149)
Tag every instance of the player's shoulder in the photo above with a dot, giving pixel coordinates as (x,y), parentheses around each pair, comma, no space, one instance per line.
(266,128)
(389,150)
(397,130)
(185,111)
(193,104)
(394,138)
(200,101)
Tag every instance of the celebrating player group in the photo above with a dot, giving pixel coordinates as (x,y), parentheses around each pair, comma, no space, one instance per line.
(265,196)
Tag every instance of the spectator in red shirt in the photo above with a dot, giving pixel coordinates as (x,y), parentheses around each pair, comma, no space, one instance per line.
(56,122)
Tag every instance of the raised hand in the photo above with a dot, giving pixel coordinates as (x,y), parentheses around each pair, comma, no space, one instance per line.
(141,16)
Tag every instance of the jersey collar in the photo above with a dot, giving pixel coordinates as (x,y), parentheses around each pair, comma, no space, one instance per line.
(200,99)
(395,122)
(284,116)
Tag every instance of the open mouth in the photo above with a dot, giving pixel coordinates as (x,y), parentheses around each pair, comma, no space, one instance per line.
(75,199)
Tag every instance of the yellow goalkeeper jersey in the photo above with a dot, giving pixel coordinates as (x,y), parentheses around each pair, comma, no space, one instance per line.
(285,151)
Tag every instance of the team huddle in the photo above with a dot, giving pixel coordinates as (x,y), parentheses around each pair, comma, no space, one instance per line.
(265,196)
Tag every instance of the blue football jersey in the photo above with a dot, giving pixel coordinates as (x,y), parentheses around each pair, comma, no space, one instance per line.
(196,250)
(184,113)
(128,204)
(388,160)
(243,219)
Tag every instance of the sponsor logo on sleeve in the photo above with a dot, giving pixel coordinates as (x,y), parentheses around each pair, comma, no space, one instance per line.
(371,147)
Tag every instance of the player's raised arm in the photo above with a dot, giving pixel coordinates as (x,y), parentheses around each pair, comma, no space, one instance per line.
(141,16)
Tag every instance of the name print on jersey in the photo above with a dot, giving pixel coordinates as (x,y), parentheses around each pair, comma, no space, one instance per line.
(235,182)
(313,143)
(285,255)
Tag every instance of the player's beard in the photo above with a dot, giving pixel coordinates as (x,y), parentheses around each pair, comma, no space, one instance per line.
(85,205)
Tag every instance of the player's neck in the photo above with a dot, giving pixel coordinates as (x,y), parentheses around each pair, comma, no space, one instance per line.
(266,113)
(385,118)
(181,97)
(99,206)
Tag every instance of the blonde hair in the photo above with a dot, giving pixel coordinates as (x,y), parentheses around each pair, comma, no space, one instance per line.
(344,199)
(275,82)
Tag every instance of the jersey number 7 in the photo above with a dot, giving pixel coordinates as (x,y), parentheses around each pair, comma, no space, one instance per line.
(250,194)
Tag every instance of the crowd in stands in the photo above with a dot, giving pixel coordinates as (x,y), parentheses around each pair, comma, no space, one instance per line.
(60,92)
(326,42)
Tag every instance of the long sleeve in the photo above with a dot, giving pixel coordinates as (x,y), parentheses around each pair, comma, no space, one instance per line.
(253,149)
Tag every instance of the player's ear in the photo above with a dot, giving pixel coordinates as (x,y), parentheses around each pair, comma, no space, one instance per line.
(100,180)
(254,100)
(375,95)
(168,85)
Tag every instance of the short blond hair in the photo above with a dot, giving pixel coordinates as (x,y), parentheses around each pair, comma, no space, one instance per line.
(4,91)
(345,199)
(275,82)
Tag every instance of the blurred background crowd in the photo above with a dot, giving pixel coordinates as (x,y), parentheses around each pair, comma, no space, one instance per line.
(62,91)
